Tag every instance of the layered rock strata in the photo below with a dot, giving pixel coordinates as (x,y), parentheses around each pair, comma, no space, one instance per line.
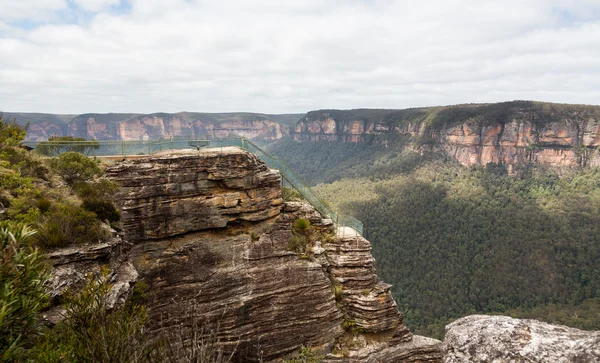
(151,127)
(548,134)
(226,266)
(72,265)
(481,338)
(175,193)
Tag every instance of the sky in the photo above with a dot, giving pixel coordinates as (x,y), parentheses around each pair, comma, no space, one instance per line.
(292,56)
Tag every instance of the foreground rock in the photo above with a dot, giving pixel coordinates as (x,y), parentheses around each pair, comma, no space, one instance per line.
(481,338)
(212,243)
(72,265)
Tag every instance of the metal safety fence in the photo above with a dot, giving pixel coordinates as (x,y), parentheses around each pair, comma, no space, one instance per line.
(111,148)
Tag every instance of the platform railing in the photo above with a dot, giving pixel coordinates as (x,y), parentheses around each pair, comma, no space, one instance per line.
(124,149)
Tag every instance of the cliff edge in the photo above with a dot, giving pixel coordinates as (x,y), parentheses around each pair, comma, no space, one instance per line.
(212,240)
(511,133)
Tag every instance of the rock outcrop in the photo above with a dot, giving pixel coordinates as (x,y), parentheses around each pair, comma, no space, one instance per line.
(496,339)
(170,194)
(212,243)
(512,133)
(72,265)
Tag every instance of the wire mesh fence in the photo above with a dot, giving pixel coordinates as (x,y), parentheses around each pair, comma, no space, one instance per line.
(110,148)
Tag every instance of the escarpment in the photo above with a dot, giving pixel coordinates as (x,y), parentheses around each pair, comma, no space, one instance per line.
(212,241)
(511,133)
(116,126)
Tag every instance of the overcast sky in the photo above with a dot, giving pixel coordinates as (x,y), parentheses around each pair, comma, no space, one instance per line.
(277,56)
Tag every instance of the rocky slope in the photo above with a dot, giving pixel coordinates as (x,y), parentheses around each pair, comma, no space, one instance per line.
(512,133)
(115,126)
(480,338)
(212,242)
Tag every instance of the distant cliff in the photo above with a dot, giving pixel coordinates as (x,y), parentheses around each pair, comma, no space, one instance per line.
(116,126)
(512,133)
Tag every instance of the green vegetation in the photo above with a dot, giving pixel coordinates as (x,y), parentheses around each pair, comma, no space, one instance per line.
(32,192)
(57,145)
(436,118)
(91,332)
(325,162)
(75,168)
(305,355)
(290,194)
(22,294)
(456,241)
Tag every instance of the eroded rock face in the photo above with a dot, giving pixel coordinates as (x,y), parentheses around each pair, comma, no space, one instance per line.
(174,194)
(155,126)
(571,140)
(72,265)
(212,242)
(496,339)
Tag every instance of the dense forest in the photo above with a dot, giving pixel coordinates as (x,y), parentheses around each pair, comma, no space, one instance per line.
(456,241)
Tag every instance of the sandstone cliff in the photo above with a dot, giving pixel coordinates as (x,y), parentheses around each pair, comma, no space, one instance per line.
(212,242)
(115,126)
(480,338)
(511,133)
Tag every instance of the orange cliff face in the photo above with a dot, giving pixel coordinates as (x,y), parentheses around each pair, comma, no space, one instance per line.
(568,142)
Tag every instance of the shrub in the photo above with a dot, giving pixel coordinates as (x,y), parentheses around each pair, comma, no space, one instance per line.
(22,294)
(338,292)
(305,355)
(105,210)
(91,332)
(60,144)
(75,168)
(67,224)
(290,194)
(11,133)
(302,225)
(298,243)
(101,189)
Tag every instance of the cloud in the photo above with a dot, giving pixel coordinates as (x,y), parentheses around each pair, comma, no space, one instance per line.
(294,56)
(95,5)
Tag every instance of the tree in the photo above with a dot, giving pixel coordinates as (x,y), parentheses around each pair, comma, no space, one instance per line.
(60,144)
(75,168)
(11,133)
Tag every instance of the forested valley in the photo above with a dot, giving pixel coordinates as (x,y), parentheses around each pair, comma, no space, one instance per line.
(456,241)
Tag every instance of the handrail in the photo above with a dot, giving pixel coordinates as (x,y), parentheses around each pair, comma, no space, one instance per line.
(148,147)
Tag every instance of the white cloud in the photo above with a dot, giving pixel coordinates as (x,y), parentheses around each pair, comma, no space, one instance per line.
(33,10)
(293,56)
(96,5)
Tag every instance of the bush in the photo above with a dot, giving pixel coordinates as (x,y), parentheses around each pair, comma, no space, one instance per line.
(101,189)
(302,225)
(75,168)
(91,332)
(11,134)
(60,144)
(298,243)
(305,355)
(22,294)
(290,194)
(105,210)
(67,224)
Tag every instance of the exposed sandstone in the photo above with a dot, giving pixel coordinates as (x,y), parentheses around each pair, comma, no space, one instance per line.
(212,243)
(531,134)
(155,126)
(71,266)
(169,195)
(496,339)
